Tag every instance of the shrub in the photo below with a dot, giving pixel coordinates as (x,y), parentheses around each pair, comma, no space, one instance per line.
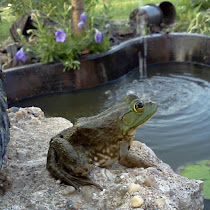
(43,40)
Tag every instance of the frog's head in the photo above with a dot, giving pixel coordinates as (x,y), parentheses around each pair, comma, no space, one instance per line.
(138,113)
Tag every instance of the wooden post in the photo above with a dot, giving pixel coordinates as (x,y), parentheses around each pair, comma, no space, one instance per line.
(78,7)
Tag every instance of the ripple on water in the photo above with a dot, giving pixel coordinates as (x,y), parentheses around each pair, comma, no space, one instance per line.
(179,131)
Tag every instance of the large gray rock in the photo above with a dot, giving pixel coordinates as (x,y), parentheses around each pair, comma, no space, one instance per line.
(33,187)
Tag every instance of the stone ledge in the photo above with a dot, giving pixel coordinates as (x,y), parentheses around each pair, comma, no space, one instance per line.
(33,187)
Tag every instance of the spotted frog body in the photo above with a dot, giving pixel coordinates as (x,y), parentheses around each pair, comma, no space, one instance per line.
(100,140)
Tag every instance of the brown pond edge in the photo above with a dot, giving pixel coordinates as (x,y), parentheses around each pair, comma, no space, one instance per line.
(40,79)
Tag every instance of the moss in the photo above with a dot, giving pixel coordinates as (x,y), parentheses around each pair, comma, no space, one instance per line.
(201,171)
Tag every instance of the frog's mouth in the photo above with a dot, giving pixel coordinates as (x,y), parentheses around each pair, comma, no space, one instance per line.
(149,116)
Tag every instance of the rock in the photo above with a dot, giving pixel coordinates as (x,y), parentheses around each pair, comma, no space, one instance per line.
(150,182)
(4,44)
(137,201)
(160,202)
(58,181)
(134,187)
(107,174)
(11,52)
(4,183)
(20,115)
(34,114)
(16,128)
(68,190)
(13,109)
(70,205)
(35,111)
(87,192)
(21,154)
(34,188)
(3,58)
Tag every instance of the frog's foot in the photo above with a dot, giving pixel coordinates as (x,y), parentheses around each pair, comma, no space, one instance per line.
(82,181)
(4,183)
(58,171)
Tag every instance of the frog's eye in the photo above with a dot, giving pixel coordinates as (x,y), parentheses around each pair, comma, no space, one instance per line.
(138,106)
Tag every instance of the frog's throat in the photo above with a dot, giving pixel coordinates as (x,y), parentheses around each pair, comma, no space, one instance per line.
(129,126)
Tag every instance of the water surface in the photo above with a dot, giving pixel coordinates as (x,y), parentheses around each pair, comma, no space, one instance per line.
(178,133)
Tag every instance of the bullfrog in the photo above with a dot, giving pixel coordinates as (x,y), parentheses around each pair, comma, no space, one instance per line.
(100,140)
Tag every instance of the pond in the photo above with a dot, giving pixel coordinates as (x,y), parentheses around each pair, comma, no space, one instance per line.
(179,131)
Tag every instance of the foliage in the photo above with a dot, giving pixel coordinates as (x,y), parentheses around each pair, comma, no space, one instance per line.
(200,23)
(205,4)
(3,3)
(192,16)
(6,22)
(200,170)
(43,41)
(22,7)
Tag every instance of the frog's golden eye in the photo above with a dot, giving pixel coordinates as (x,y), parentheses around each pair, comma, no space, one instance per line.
(138,106)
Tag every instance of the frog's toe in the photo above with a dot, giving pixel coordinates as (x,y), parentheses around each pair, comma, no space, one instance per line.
(86,181)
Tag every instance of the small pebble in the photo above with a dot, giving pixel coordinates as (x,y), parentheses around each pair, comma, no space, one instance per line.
(20,115)
(134,187)
(160,202)
(136,201)
(68,190)
(36,121)
(150,182)
(21,154)
(58,181)
(87,192)
(14,109)
(70,205)
(17,128)
(102,192)
(61,206)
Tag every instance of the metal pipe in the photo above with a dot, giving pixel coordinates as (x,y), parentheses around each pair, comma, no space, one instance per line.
(168,11)
(154,15)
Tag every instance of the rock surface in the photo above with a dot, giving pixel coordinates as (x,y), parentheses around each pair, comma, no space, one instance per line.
(34,188)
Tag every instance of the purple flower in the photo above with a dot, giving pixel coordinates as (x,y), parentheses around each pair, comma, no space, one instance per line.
(60,35)
(98,37)
(81,24)
(83,17)
(20,55)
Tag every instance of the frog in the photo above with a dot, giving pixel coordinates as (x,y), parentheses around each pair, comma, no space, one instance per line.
(99,140)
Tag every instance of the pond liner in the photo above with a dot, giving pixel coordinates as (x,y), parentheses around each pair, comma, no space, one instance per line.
(41,79)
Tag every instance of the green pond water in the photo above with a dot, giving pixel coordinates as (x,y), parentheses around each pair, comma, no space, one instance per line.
(178,133)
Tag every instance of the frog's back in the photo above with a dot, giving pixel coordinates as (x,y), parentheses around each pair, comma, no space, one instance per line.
(103,128)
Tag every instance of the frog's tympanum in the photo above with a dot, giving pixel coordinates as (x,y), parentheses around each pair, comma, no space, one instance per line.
(100,140)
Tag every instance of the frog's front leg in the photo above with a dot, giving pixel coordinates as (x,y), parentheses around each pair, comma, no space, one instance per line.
(69,164)
(129,160)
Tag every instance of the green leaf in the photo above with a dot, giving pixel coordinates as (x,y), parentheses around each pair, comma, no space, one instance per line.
(201,171)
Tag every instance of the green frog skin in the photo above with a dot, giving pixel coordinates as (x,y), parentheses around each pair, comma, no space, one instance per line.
(100,140)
